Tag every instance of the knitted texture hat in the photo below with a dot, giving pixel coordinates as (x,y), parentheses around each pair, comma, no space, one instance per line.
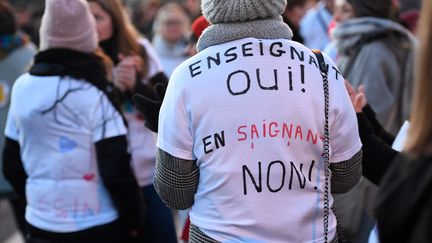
(68,24)
(227,11)
(237,19)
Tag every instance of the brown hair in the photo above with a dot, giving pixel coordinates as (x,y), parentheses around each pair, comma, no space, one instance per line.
(420,133)
(372,8)
(294,3)
(125,37)
(8,24)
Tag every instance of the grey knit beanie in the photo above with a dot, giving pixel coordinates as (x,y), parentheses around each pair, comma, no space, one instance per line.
(227,11)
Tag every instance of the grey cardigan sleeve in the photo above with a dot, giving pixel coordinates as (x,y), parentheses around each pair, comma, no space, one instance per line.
(346,174)
(176,180)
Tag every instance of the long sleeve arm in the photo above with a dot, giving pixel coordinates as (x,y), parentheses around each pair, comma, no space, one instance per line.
(377,154)
(176,180)
(117,176)
(346,174)
(13,168)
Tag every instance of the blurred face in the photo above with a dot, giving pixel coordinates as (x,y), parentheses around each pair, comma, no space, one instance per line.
(172,27)
(103,21)
(343,11)
(296,14)
(192,6)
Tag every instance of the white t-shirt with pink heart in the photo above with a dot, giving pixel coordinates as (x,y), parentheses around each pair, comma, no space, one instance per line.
(57,122)
(251,113)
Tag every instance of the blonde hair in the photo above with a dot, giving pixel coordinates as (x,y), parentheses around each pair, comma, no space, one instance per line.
(125,36)
(420,133)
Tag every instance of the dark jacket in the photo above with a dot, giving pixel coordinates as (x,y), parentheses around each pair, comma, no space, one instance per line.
(404,205)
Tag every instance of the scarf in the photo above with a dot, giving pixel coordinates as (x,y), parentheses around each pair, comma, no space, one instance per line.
(270,28)
(78,65)
(351,34)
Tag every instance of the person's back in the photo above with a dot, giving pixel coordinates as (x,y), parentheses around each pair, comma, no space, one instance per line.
(66,147)
(249,115)
(404,204)
(16,55)
(58,120)
(257,138)
(371,40)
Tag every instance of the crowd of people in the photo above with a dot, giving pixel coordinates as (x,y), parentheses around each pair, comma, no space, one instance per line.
(217,120)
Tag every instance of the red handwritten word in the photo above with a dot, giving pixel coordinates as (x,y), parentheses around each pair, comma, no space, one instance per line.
(276,129)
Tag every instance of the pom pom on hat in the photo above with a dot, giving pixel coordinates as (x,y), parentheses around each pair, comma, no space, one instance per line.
(227,11)
(68,24)
(199,25)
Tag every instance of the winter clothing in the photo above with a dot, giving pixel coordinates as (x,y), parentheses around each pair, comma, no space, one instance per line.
(377,152)
(231,11)
(238,19)
(61,86)
(379,54)
(270,28)
(363,44)
(68,24)
(404,203)
(198,26)
(65,62)
(16,55)
(210,95)
(142,144)
(171,55)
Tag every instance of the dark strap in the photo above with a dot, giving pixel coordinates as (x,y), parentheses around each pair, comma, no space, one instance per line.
(324,70)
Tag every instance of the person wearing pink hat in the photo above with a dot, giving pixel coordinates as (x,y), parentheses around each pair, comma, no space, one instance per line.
(137,70)
(66,147)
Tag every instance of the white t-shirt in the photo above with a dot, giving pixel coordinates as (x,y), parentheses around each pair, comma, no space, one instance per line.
(57,122)
(142,142)
(257,141)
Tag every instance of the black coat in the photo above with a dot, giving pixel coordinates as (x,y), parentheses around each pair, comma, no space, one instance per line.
(404,204)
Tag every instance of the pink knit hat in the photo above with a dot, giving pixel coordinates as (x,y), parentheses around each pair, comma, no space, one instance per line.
(68,24)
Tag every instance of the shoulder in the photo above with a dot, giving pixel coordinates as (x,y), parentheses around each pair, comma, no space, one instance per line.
(376,53)
(20,57)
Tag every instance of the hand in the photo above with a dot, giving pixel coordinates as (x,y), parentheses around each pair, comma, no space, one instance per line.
(126,72)
(358,98)
(149,103)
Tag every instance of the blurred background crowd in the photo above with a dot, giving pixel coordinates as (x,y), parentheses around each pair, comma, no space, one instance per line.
(169,30)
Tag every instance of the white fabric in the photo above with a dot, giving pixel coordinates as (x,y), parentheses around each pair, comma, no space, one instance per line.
(171,55)
(232,135)
(314,27)
(400,139)
(142,142)
(56,136)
